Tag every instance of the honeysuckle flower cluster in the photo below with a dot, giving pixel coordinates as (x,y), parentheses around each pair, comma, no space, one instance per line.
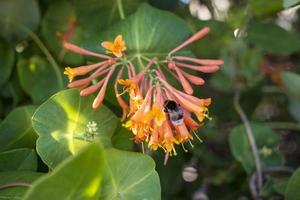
(154,110)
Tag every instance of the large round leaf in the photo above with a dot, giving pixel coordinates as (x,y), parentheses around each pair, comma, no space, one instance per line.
(15,14)
(103,13)
(148,32)
(16,129)
(7,57)
(62,124)
(292,191)
(18,159)
(77,178)
(266,141)
(37,78)
(130,176)
(16,193)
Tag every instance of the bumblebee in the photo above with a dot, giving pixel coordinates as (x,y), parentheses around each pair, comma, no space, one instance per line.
(174,111)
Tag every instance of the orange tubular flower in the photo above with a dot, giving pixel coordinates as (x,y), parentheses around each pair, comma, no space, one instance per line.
(117,47)
(156,112)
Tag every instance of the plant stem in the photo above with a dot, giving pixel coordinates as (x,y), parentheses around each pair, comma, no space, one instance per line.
(249,131)
(14,184)
(48,55)
(120,8)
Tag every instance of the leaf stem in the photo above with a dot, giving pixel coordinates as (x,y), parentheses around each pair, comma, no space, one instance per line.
(48,55)
(14,184)
(120,8)
(249,131)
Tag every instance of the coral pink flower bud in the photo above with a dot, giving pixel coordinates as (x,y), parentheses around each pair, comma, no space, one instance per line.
(193,79)
(93,88)
(98,100)
(192,39)
(79,83)
(200,61)
(185,84)
(204,69)
(77,49)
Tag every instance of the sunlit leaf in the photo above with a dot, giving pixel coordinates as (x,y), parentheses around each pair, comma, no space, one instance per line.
(266,140)
(292,191)
(273,39)
(7,57)
(16,129)
(37,78)
(79,178)
(16,193)
(18,159)
(15,14)
(62,125)
(129,176)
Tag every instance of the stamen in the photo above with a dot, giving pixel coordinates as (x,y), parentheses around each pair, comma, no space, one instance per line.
(166,158)
(165,150)
(174,151)
(191,143)
(143,148)
(184,149)
(200,140)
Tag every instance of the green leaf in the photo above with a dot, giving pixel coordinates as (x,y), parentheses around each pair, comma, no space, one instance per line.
(129,175)
(15,14)
(294,109)
(266,141)
(61,123)
(18,159)
(37,78)
(280,186)
(273,39)
(292,191)
(273,186)
(122,138)
(147,33)
(60,17)
(79,177)
(241,61)
(291,84)
(16,129)
(103,13)
(7,57)
(262,8)
(16,193)
(289,3)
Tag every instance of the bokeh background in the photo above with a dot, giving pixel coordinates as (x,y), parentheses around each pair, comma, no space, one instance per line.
(258,85)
